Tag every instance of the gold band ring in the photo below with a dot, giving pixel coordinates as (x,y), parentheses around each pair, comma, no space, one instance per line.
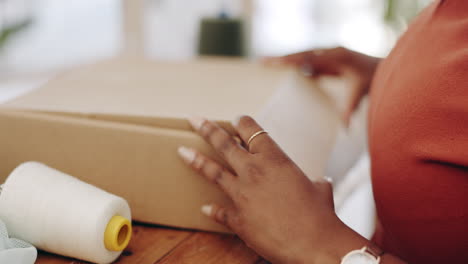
(256,134)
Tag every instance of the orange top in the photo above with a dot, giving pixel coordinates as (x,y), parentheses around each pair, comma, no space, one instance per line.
(418,136)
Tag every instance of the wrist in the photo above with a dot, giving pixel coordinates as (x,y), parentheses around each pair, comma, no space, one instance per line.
(345,241)
(331,250)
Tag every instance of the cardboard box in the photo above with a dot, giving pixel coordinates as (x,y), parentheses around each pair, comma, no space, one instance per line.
(117,124)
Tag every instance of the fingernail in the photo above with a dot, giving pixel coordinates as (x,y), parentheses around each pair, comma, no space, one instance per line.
(207,209)
(188,155)
(235,122)
(328,179)
(196,122)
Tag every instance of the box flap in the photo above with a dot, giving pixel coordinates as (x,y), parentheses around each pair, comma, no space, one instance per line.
(215,88)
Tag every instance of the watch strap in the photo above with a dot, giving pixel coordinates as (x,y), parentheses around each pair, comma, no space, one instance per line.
(373,250)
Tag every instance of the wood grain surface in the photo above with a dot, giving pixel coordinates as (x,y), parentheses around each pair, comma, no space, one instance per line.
(159,245)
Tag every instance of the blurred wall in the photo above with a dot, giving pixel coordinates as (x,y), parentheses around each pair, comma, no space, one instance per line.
(66,33)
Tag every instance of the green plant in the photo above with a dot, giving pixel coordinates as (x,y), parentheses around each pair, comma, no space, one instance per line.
(9,31)
(399,12)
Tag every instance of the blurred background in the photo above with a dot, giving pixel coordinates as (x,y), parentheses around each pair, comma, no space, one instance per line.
(42,36)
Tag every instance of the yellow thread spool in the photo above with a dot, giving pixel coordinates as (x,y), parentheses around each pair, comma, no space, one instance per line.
(118,233)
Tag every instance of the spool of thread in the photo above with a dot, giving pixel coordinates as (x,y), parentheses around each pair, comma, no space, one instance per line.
(222,36)
(61,214)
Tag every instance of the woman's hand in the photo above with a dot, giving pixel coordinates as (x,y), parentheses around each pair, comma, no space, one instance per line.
(276,209)
(356,67)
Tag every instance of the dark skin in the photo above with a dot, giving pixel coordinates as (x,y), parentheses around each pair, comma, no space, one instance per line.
(276,209)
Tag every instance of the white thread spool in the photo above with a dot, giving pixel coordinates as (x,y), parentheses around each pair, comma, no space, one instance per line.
(63,215)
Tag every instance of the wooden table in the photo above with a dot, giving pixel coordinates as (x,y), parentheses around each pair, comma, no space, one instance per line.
(151,245)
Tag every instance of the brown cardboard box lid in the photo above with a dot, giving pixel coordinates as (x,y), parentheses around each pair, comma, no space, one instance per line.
(219,89)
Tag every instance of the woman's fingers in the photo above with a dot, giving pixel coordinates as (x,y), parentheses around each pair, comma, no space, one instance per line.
(210,170)
(221,141)
(293,59)
(247,127)
(222,215)
(314,63)
(358,87)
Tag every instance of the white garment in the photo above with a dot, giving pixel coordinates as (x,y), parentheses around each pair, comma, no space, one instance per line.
(354,202)
(15,251)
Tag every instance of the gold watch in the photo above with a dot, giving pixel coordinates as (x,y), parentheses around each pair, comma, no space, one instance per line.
(367,255)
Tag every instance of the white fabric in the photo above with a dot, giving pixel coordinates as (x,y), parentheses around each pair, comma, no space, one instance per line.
(13,250)
(351,143)
(302,119)
(354,202)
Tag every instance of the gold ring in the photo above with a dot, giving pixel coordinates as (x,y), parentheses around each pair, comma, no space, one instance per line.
(256,134)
